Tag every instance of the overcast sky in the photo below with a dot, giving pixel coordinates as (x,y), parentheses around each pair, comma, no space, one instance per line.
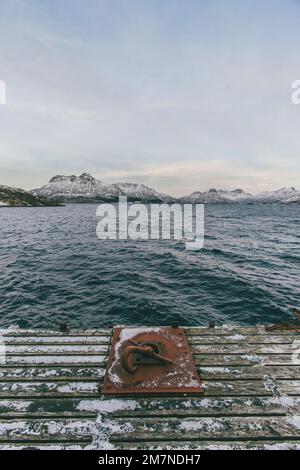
(181,95)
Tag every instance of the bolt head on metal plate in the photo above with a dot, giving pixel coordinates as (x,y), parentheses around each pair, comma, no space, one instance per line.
(150,361)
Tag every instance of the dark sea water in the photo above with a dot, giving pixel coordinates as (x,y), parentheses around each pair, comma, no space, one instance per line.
(54,270)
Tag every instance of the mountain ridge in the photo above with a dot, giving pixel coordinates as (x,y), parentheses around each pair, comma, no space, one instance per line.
(86,188)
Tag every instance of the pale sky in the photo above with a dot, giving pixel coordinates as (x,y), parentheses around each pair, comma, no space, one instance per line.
(180,95)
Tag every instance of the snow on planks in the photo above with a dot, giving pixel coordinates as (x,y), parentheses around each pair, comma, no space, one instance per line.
(50,394)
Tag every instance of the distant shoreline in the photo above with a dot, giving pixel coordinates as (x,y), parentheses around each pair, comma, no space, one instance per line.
(30,207)
(67,203)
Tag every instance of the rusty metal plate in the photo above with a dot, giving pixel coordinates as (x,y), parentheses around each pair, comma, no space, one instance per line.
(150,361)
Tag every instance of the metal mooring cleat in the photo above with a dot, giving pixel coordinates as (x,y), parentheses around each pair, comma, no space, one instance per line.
(143,354)
(150,361)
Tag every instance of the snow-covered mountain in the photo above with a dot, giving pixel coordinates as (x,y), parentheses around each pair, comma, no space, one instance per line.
(218,196)
(73,187)
(283,195)
(238,196)
(87,188)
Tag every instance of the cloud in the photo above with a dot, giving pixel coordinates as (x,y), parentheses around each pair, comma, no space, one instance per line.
(181,178)
(182,95)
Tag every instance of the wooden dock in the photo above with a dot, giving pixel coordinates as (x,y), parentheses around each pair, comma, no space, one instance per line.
(50,394)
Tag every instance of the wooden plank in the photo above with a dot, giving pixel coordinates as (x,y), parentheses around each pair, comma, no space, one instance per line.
(257,444)
(197,406)
(240,339)
(232,330)
(92,387)
(191,331)
(200,360)
(30,373)
(288,387)
(205,339)
(242,359)
(62,415)
(62,359)
(48,389)
(151,429)
(29,445)
(47,439)
(244,348)
(158,406)
(196,348)
(46,428)
(35,349)
(43,340)
(249,372)
(266,444)
(174,429)
(236,388)
(48,333)
(44,405)
(135,430)
(250,388)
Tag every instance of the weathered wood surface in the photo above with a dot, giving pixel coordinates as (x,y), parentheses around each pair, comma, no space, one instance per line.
(50,394)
